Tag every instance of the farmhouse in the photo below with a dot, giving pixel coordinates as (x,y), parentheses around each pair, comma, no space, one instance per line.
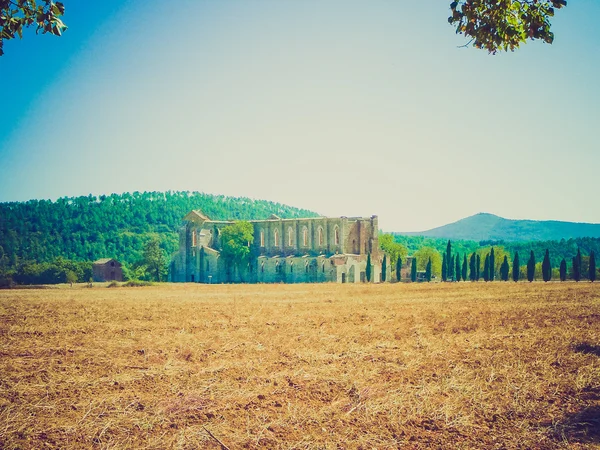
(310,250)
(107,269)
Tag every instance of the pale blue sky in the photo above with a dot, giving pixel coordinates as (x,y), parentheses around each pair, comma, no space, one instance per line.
(342,107)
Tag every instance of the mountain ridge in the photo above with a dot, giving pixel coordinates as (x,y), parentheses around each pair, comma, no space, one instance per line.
(490,227)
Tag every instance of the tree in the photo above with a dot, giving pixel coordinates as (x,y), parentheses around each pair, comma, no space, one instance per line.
(15,15)
(449,262)
(531,267)
(154,258)
(428,270)
(236,240)
(369,268)
(516,272)
(413,270)
(563,270)
(423,255)
(492,265)
(444,268)
(464,268)
(478,267)
(394,249)
(504,269)
(472,269)
(398,269)
(384,268)
(458,270)
(486,268)
(503,25)
(577,266)
(546,267)
(592,267)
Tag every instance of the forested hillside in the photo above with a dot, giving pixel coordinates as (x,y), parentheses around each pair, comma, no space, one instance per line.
(116,226)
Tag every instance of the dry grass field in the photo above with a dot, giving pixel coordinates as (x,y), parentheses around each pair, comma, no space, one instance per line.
(470,365)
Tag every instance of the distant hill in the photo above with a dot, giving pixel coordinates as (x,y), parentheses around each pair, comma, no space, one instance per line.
(115,226)
(489,227)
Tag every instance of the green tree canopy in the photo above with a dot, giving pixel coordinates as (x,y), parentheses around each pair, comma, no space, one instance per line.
(424,254)
(236,240)
(503,24)
(392,248)
(155,260)
(15,15)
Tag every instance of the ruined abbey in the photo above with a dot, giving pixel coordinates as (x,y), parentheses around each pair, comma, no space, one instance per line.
(311,250)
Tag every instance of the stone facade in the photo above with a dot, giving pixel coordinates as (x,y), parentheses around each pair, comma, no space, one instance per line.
(311,250)
(107,269)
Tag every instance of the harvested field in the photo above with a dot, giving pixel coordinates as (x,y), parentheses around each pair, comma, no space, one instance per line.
(462,365)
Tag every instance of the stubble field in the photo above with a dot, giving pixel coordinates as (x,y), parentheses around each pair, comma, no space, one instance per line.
(470,365)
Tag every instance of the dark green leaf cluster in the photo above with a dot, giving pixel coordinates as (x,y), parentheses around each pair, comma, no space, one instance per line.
(15,15)
(503,24)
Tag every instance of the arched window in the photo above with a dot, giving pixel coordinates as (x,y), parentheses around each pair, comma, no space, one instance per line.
(306,267)
(336,236)
(262,267)
(305,237)
(323,267)
(277,267)
(290,237)
(292,267)
(262,238)
(193,238)
(276,237)
(320,236)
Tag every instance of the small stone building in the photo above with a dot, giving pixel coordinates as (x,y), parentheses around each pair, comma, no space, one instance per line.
(310,250)
(107,269)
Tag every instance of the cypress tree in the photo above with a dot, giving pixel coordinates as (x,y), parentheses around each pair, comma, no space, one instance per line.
(486,268)
(369,268)
(384,269)
(444,268)
(516,268)
(413,270)
(398,268)
(428,270)
(592,266)
(458,270)
(546,267)
(504,269)
(531,267)
(451,269)
(577,266)
(449,262)
(563,270)
(464,268)
(478,267)
(472,270)
(492,265)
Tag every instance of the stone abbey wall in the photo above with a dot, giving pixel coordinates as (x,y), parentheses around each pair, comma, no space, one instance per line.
(309,250)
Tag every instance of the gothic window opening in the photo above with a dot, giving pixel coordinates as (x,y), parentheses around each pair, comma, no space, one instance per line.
(305,237)
(323,267)
(292,267)
(193,238)
(336,236)
(320,236)
(290,237)
(262,238)
(262,267)
(276,237)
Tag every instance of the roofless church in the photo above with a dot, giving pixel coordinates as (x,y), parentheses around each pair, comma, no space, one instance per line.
(311,250)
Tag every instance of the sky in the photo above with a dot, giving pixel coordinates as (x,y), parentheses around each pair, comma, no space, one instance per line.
(346,108)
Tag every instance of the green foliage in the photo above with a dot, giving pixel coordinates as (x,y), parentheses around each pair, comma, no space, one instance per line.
(516,268)
(384,268)
(399,269)
(486,268)
(413,270)
(449,262)
(423,255)
(531,267)
(563,270)
(458,270)
(464,268)
(155,260)
(428,270)
(472,268)
(504,268)
(369,268)
(577,266)
(478,266)
(236,240)
(503,25)
(444,268)
(15,15)
(392,248)
(492,265)
(592,267)
(546,267)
